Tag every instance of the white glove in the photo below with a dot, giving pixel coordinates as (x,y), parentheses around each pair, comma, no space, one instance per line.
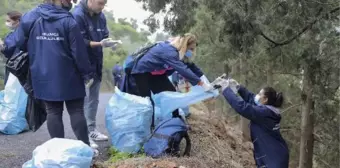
(89,83)
(114,47)
(108,42)
(2,45)
(233,84)
(224,83)
(204,79)
(207,87)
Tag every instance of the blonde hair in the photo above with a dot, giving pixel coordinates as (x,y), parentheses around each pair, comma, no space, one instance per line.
(182,43)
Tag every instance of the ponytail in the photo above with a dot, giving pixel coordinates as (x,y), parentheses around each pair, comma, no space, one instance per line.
(279,100)
(274,99)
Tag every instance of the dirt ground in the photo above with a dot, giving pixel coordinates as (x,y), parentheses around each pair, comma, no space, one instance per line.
(215,144)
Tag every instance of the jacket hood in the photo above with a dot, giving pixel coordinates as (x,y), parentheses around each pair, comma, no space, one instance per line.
(52,12)
(83,4)
(274,109)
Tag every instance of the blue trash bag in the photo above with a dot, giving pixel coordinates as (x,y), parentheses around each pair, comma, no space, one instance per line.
(184,111)
(13,102)
(128,121)
(166,102)
(61,153)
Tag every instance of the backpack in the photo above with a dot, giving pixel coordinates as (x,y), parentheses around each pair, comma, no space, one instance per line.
(132,59)
(166,139)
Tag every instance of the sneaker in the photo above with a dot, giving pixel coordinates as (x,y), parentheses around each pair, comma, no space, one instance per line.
(97,136)
(93,144)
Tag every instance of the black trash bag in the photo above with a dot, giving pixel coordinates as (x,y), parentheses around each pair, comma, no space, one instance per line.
(18,65)
(35,113)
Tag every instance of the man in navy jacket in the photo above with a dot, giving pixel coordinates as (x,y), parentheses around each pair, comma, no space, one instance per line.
(117,73)
(92,23)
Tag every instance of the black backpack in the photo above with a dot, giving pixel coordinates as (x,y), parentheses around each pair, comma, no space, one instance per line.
(132,59)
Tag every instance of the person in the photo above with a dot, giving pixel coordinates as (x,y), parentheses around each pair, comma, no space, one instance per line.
(117,71)
(92,23)
(270,149)
(8,47)
(151,71)
(58,65)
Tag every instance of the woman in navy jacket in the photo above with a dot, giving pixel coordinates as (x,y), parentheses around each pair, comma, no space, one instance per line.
(270,149)
(59,64)
(8,48)
(152,70)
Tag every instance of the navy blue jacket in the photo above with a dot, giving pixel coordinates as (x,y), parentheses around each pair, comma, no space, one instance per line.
(163,56)
(270,149)
(93,28)
(58,62)
(117,71)
(10,45)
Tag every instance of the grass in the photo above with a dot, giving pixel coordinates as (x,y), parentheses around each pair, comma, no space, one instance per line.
(116,156)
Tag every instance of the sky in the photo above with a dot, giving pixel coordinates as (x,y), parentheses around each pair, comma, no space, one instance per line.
(128,9)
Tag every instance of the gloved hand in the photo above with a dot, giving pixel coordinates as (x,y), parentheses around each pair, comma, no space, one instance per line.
(2,45)
(204,79)
(89,83)
(207,86)
(108,42)
(114,47)
(224,83)
(233,84)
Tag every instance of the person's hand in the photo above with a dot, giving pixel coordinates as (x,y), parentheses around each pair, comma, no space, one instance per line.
(207,87)
(224,83)
(108,42)
(89,83)
(204,79)
(114,47)
(2,45)
(233,84)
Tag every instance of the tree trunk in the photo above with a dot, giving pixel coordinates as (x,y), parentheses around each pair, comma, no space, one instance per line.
(244,123)
(307,122)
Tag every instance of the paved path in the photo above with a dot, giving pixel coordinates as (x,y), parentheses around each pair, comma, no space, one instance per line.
(17,149)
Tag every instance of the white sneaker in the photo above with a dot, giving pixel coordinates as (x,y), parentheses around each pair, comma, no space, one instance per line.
(97,136)
(93,144)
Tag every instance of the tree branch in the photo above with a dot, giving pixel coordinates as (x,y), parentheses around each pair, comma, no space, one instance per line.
(309,26)
(291,107)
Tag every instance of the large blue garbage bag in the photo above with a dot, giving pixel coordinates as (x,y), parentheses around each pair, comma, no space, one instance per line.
(61,153)
(166,102)
(13,101)
(128,120)
(184,111)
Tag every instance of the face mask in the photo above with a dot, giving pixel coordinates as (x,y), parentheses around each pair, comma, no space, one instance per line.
(257,100)
(188,54)
(9,25)
(68,7)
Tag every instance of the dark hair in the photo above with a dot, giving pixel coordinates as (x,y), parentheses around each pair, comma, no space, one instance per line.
(274,99)
(14,15)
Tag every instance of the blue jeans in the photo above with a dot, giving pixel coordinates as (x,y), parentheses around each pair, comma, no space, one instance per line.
(91,104)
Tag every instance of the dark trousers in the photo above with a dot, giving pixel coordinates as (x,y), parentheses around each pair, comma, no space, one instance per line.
(75,109)
(147,83)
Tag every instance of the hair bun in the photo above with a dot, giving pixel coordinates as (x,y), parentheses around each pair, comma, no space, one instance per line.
(279,99)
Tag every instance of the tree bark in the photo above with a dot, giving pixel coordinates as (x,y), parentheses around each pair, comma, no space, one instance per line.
(307,121)
(244,123)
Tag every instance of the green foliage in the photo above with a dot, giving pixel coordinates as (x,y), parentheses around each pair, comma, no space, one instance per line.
(116,156)
(270,43)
